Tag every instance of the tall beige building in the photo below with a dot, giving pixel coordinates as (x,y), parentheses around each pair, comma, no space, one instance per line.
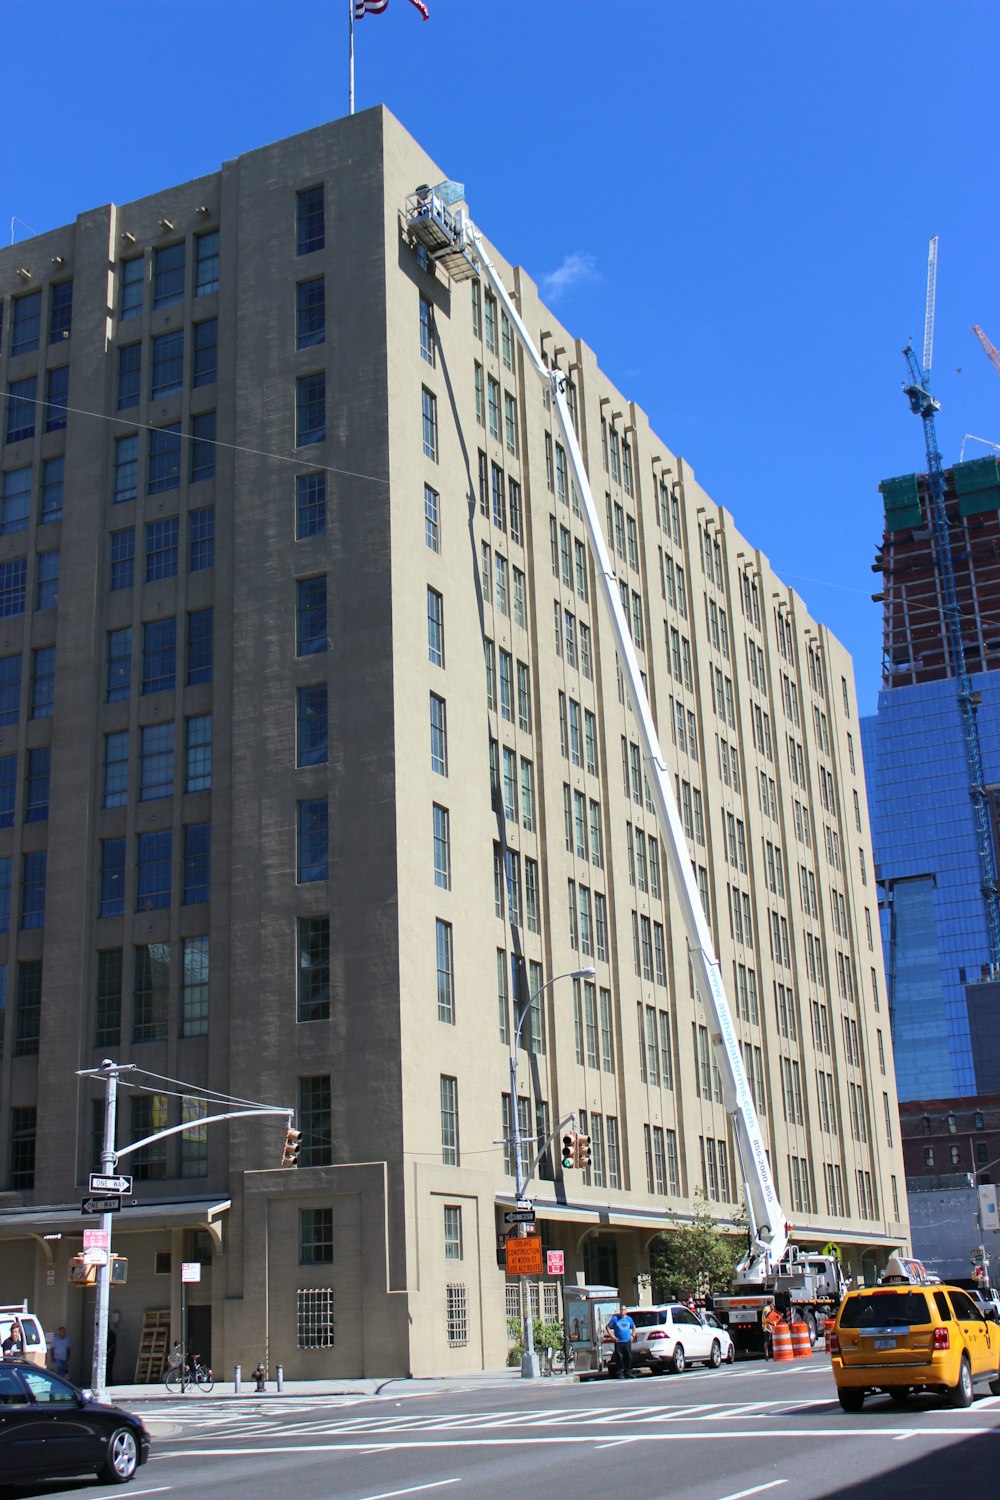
(322,728)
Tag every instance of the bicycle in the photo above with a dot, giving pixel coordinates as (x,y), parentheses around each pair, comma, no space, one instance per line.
(181,1373)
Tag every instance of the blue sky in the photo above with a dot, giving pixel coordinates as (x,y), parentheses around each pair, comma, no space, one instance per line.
(734,201)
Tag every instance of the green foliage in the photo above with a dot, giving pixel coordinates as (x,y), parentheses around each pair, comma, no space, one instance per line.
(543,1334)
(695,1257)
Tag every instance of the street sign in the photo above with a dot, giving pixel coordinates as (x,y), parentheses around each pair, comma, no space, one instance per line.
(191,1270)
(522,1203)
(100,1205)
(524,1256)
(519,1216)
(104,1184)
(95,1239)
(555,1263)
(96,1256)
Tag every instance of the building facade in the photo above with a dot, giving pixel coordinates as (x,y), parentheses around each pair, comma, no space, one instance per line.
(317,766)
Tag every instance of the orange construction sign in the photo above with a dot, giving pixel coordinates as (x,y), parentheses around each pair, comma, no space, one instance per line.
(524,1257)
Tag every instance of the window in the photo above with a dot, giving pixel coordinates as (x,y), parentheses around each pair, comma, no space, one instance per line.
(449,1121)
(164,465)
(61,312)
(153,883)
(193,1154)
(148,1114)
(428,408)
(167,367)
(197,863)
(205,359)
(426,330)
(199,646)
(442,847)
(161,549)
(159,656)
(13,586)
(8,789)
(119,664)
(122,558)
(129,367)
(310,313)
(314,969)
(452,1232)
(126,468)
(194,986)
(112,892)
(314,1318)
(116,769)
(23,1126)
(432,518)
(37,780)
(133,281)
(310,409)
(201,539)
(439,736)
(311,230)
(312,725)
(10,689)
(456,1314)
(47,581)
(15,501)
(206,263)
(311,619)
(108,1000)
(316,1123)
(313,852)
(315,1236)
(56,398)
(53,474)
(310,505)
(21,395)
(202,447)
(445,957)
(168,275)
(33,889)
(435,628)
(25,323)
(43,682)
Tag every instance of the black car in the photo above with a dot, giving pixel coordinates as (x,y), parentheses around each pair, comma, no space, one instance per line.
(48,1428)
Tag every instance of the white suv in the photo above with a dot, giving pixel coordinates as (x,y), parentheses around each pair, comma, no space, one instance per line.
(670,1335)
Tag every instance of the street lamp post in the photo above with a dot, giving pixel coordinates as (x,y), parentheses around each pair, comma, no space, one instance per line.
(529,1359)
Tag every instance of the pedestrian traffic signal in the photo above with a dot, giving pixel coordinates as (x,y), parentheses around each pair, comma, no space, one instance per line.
(583,1151)
(291,1148)
(569,1141)
(119,1270)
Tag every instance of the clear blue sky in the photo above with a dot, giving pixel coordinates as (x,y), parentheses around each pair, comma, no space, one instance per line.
(745,190)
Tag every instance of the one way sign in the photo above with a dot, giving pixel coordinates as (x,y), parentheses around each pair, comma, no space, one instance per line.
(99,1184)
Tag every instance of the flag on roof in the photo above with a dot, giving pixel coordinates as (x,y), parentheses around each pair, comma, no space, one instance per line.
(369,8)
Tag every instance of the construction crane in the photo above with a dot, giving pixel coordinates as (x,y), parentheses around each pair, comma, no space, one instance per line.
(991,354)
(923,405)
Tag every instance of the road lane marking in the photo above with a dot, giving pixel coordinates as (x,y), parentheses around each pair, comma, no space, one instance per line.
(412,1490)
(757,1489)
(158,1489)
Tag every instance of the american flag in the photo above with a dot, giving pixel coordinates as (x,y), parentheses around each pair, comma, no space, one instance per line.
(376,7)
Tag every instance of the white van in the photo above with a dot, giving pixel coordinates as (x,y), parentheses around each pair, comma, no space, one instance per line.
(35,1351)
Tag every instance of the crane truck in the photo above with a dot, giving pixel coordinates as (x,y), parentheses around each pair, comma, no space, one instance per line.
(435,220)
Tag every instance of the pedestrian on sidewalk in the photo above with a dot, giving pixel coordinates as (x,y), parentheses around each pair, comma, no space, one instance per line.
(59,1351)
(622,1330)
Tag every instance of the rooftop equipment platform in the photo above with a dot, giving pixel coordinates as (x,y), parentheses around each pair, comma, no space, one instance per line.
(442,232)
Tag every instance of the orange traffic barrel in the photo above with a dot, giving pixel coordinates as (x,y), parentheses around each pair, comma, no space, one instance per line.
(828,1328)
(801,1342)
(781,1342)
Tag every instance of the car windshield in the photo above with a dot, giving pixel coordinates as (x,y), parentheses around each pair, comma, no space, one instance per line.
(885,1310)
(649,1317)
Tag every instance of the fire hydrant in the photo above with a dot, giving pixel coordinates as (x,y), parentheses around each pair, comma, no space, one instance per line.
(260,1375)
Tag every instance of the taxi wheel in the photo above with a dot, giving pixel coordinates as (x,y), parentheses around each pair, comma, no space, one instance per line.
(900,1397)
(851,1399)
(961,1394)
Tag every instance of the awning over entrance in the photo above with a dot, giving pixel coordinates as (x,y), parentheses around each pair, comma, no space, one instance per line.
(186,1213)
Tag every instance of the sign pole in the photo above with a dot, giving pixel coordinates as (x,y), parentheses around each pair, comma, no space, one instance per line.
(99,1369)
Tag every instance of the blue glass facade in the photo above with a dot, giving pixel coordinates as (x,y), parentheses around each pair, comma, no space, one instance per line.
(934,929)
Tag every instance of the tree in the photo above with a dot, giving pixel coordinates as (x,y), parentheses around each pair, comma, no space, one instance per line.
(696,1255)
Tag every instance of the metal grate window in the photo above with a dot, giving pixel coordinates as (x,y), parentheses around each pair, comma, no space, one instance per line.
(314,1317)
(513,1292)
(457,1313)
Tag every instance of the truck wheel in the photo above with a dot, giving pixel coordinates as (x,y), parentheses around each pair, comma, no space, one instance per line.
(810,1322)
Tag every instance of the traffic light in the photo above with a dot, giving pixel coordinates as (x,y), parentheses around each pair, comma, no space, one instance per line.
(80,1274)
(583,1151)
(119,1270)
(569,1141)
(292,1147)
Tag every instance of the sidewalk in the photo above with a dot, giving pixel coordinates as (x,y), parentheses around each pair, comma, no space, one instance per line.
(396,1387)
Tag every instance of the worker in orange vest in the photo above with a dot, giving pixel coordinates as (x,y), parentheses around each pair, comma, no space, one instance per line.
(770,1319)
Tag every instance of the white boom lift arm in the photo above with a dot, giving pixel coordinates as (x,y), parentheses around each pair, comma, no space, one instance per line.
(456,239)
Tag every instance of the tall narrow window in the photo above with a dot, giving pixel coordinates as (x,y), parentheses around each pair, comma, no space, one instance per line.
(132,287)
(199,646)
(205,356)
(315,1120)
(206,263)
(159,655)
(313,860)
(310,409)
(313,732)
(194,986)
(435,627)
(61,312)
(168,275)
(311,227)
(445,972)
(449,1121)
(153,880)
(314,969)
(311,619)
(439,736)
(167,365)
(197,863)
(36,795)
(310,313)
(310,505)
(442,847)
(198,760)
(428,406)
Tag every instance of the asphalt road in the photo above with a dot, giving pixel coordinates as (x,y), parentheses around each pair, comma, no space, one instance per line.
(774,1431)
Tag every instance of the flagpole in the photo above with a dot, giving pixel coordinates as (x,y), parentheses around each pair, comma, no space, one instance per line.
(350,11)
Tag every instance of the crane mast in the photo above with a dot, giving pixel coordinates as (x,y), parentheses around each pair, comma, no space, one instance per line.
(452,238)
(923,405)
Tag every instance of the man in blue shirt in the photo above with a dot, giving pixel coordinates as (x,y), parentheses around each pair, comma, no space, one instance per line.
(622,1330)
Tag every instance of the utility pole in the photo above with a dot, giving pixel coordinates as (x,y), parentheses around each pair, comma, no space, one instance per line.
(109,1071)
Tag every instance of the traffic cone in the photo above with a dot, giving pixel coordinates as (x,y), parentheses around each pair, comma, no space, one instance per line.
(801,1342)
(828,1328)
(781,1342)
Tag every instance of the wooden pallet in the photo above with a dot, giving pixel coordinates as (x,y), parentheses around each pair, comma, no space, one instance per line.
(153,1341)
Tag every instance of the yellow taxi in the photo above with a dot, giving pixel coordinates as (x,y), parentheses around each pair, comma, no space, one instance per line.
(907,1335)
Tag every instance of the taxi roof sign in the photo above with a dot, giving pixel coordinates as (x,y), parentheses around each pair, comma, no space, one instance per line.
(900,1270)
